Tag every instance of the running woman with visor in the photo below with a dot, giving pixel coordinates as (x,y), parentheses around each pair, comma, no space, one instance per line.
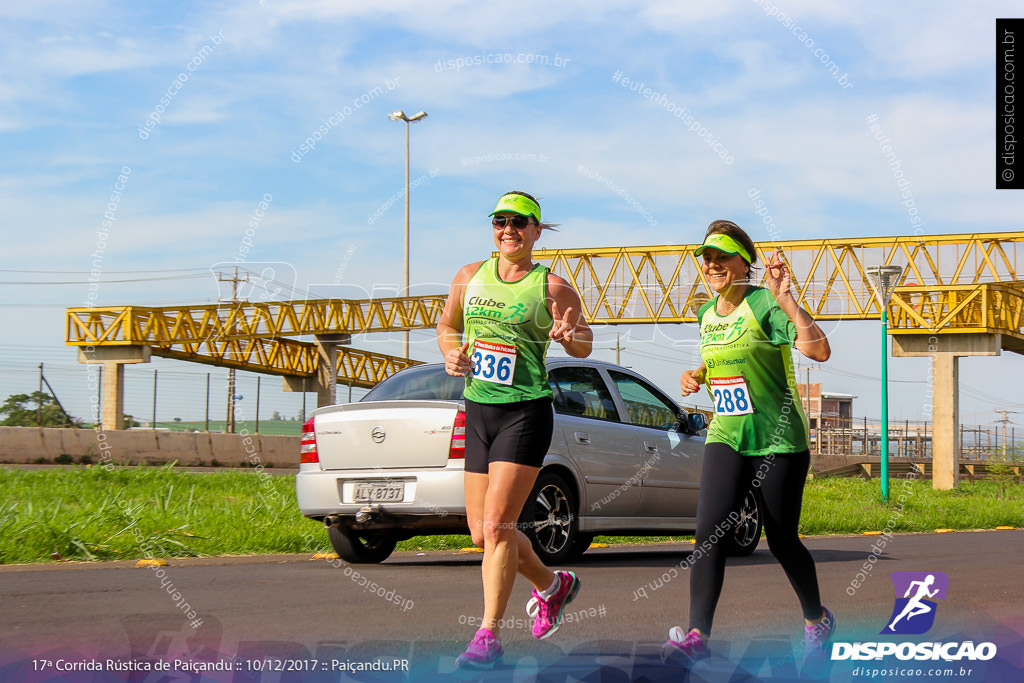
(500,316)
(759,434)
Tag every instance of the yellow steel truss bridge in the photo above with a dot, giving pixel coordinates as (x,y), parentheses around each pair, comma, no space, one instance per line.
(951,284)
(956,295)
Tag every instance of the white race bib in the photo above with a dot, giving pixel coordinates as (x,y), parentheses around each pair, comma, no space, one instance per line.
(732,397)
(494,362)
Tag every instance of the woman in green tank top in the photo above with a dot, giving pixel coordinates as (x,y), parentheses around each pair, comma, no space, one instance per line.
(758,438)
(500,316)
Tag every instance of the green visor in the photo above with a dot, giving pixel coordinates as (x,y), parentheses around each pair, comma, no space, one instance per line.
(517,203)
(724,244)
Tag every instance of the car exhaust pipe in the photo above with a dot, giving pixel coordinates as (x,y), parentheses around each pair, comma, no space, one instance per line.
(364,515)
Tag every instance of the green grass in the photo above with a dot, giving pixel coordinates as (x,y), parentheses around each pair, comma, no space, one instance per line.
(269,427)
(842,506)
(89,513)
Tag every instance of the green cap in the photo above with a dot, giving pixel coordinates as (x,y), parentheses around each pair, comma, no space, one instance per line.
(517,203)
(724,244)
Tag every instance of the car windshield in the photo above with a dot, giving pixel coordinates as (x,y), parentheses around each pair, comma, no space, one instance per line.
(423,382)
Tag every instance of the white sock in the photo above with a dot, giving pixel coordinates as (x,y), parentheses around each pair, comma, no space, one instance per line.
(552,589)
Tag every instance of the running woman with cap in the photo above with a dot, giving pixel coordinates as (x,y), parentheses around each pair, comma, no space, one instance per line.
(500,316)
(759,435)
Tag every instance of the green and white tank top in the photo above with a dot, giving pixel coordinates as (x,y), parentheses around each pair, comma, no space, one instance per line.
(507,326)
(750,376)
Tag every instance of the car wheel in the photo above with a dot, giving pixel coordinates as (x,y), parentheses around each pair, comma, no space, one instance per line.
(549,520)
(747,532)
(359,547)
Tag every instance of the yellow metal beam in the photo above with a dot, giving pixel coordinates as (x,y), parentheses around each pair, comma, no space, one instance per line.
(665,283)
(366,369)
(113,325)
(287,357)
(952,309)
(269,356)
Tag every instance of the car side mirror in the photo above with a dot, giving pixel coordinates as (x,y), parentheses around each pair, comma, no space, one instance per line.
(696,422)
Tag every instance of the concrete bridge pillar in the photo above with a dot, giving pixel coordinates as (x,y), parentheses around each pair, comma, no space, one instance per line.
(946,350)
(113,359)
(946,414)
(325,382)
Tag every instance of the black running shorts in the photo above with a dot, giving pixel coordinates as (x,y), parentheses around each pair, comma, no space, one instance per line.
(508,432)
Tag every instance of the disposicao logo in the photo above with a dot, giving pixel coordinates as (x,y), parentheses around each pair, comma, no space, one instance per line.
(913,613)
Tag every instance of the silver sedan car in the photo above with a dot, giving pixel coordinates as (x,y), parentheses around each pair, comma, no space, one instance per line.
(624,459)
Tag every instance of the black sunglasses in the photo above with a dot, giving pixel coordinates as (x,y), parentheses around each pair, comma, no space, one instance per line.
(518,222)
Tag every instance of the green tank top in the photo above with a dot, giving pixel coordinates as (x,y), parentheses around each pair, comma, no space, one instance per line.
(507,326)
(750,376)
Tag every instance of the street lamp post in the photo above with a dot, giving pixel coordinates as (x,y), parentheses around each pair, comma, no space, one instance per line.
(883,282)
(400,116)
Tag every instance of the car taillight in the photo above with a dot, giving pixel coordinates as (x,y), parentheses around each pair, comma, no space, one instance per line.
(307,452)
(458,447)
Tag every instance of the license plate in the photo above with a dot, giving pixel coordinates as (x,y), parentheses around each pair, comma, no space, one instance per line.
(378,492)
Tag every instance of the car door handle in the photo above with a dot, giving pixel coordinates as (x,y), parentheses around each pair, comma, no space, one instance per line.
(650,447)
(582,437)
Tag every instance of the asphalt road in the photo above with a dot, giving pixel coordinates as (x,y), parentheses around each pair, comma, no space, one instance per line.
(420,609)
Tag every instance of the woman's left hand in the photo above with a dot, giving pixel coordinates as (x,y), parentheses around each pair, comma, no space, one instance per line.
(810,340)
(563,330)
(777,275)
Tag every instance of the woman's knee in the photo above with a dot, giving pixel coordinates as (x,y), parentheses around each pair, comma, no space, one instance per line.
(498,531)
(783,546)
(715,528)
(476,532)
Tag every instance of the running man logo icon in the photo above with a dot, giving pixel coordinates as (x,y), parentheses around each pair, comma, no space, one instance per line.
(517,311)
(914,612)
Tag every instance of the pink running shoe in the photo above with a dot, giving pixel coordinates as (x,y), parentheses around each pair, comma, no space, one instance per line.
(483,652)
(818,637)
(547,614)
(683,647)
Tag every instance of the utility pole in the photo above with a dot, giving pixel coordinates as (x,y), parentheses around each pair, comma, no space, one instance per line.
(207,428)
(1005,420)
(229,422)
(154,399)
(39,397)
(618,347)
(807,403)
(807,392)
(99,396)
(807,411)
(229,426)
(400,116)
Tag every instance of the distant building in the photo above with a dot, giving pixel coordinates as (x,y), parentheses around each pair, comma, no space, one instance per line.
(826,410)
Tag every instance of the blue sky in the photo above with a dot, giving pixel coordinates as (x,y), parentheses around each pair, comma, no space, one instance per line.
(520,96)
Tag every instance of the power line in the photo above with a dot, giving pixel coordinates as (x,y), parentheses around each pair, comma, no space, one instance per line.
(116,272)
(148,304)
(103,281)
(981,396)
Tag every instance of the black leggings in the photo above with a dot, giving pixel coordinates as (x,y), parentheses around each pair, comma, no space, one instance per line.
(726,476)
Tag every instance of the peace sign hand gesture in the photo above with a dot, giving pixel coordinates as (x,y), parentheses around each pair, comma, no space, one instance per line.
(563,330)
(568,324)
